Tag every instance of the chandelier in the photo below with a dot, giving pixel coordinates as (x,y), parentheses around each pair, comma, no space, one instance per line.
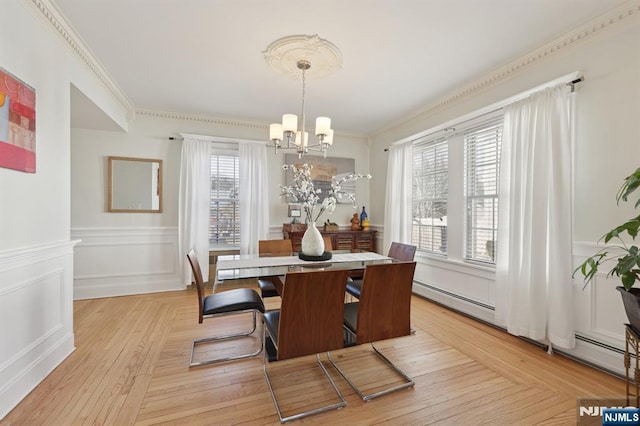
(302,51)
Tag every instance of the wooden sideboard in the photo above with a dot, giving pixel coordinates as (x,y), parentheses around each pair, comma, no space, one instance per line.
(340,239)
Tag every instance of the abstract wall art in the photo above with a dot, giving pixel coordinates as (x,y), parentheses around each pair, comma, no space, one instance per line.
(323,171)
(17,124)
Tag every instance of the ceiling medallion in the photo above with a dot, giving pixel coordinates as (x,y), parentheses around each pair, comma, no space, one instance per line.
(284,54)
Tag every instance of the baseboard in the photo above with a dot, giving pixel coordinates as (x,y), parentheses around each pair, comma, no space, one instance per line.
(84,289)
(22,383)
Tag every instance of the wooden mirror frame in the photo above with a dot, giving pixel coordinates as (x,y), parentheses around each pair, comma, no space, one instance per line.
(110,203)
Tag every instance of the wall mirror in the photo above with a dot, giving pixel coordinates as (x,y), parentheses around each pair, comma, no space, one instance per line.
(135,185)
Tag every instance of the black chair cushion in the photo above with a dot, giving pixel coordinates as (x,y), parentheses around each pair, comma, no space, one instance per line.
(233,300)
(354,287)
(272,322)
(351,316)
(267,289)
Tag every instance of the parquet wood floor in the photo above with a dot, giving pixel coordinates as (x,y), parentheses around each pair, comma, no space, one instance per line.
(131,360)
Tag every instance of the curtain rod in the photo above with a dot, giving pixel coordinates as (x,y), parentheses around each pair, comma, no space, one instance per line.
(500,106)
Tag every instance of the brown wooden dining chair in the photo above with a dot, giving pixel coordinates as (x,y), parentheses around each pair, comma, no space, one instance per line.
(269,285)
(230,302)
(383,312)
(328,245)
(397,251)
(310,321)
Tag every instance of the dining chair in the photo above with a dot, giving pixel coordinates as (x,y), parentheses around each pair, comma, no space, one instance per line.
(310,321)
(328,245)
(230,302)
(397,251)
(269,285)
(383,312)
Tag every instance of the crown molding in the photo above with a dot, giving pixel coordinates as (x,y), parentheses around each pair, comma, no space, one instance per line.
(50,14)
(609,20)
(173,115)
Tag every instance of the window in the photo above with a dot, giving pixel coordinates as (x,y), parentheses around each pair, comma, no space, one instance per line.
(482,161)
(224,223)
(430,192)
(455,190)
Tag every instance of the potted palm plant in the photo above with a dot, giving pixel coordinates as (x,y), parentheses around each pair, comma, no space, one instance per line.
(627,257)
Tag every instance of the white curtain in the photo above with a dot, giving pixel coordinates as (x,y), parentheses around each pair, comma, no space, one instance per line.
(253,194)
(534,295)
(398,202)
(193,207)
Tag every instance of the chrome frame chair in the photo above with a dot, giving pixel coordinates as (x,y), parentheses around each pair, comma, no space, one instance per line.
(320,295)
(231,302)
(383,312)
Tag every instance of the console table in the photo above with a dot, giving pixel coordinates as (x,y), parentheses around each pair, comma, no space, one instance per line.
(340,239)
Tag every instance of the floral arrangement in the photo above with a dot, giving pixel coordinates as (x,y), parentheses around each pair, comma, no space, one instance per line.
(303,191)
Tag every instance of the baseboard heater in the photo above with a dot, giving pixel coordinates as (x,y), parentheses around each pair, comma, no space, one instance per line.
(534,342)
(456,296)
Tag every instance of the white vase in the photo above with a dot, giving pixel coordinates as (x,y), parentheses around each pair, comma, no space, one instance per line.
(312,241)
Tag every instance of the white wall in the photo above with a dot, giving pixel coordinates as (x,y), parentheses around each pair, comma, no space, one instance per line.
(36,253)
(607,149)
(128,253)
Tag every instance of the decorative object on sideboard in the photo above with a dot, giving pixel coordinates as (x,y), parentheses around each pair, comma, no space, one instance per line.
(355,222)
(294,55)
(330,226)
(627,257)
(294,212)
(364,216)
(303,191)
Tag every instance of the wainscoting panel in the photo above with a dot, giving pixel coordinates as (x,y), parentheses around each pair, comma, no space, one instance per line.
(36,317)
(120,261)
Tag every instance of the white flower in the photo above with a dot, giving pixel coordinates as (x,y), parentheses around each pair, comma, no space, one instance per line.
(302,190)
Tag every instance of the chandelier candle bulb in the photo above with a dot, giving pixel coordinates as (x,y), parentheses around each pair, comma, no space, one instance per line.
(323,125)
(290,123)
(329,138)
(275,132)
(304,142)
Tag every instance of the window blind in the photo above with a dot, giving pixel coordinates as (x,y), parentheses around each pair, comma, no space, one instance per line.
(482,163)
(224,224)
(430,191)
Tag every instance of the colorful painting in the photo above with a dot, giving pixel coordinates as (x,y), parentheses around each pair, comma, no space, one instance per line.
(324,171)
(17,124)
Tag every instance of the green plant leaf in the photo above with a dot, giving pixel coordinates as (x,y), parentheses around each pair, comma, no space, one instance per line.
(631,227)
(631,183)
(628,279)
(625,264)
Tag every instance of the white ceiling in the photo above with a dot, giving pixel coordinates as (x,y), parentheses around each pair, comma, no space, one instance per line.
(205,56)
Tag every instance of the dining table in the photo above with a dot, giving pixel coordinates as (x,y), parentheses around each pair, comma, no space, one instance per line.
(235,267)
